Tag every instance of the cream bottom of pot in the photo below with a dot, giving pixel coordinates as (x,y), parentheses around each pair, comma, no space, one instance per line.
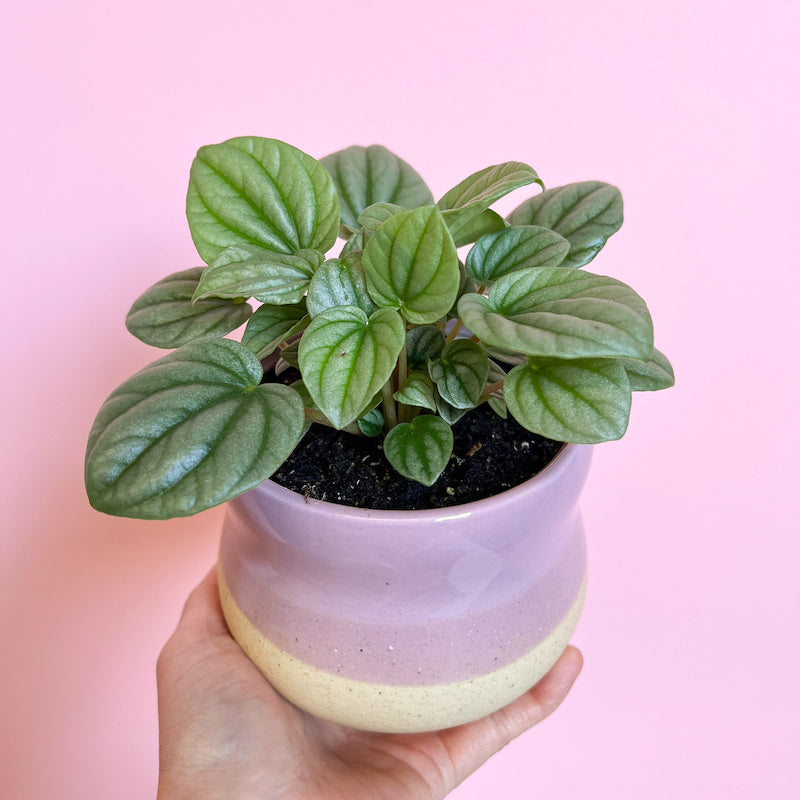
(389,708)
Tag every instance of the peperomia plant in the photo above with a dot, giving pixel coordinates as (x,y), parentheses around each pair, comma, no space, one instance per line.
(394,337)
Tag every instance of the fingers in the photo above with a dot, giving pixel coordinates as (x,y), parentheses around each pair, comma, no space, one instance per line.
(471,745)
(543,699)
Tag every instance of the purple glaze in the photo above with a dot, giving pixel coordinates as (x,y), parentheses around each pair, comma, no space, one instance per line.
(410,598)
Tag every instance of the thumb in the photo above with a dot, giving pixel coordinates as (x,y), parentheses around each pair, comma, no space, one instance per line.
(471,745)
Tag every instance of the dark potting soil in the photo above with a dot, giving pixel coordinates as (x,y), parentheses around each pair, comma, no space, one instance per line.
(490,455)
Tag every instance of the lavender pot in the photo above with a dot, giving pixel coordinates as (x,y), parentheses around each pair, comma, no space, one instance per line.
(407,621)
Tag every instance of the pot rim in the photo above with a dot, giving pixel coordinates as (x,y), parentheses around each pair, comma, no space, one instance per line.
(539,483)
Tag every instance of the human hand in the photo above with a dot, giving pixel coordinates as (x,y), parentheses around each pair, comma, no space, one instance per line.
(224,732)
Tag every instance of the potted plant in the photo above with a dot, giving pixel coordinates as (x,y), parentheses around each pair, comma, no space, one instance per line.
(381,617)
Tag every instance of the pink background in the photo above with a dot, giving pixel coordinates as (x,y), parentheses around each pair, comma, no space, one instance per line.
(690,685)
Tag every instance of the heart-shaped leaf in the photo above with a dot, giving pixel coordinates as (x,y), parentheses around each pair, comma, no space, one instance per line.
(585,400)
(422,343)
(466,228)
(260,192)
(164,315)
(371,424)
(651,375)
(246,271)
(375,215)
(561,312)
(367,175)
(346,357)
(460,373)
(585,214)
(512,249)
(339,283)
(188,432)
(271,325)
(417,391)
(411,263)
(419,450)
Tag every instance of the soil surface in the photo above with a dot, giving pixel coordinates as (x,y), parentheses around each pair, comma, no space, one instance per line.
(490,455)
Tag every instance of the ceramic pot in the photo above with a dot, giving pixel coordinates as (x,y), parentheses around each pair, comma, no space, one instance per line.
(407,621)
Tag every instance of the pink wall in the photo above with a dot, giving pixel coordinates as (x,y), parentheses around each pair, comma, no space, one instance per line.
(689,688)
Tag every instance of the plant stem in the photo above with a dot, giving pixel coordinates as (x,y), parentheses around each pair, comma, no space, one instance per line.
(402,377)
(402,368)
(454,331)
(317,416)
(389,410)
(489,391)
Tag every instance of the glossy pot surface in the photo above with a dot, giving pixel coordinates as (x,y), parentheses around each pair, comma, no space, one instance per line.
(405,621)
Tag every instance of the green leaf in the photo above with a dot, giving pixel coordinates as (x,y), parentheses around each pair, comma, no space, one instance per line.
(417,391)
(465,286)
(466,228)
(367,175)
(188,432)
(460,373)
(373,403)
(271,325)
(307,402)
(512,249)
(561,312)
(289,354)
(496,372)
(511,357)
(411,263)
(496,400)
(450,414)
(585,401)
(345,357)
(498,405)
(371,424)
(482,188)
(260,192)
(419,450)
(464,203)
(246,271)
(339,283)
(422,343)
(650,375)
(375,215)
(585,214)
(305,395)
(164,315)
(355,244)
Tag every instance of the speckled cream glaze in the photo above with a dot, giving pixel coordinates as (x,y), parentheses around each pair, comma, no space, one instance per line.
(389,708)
